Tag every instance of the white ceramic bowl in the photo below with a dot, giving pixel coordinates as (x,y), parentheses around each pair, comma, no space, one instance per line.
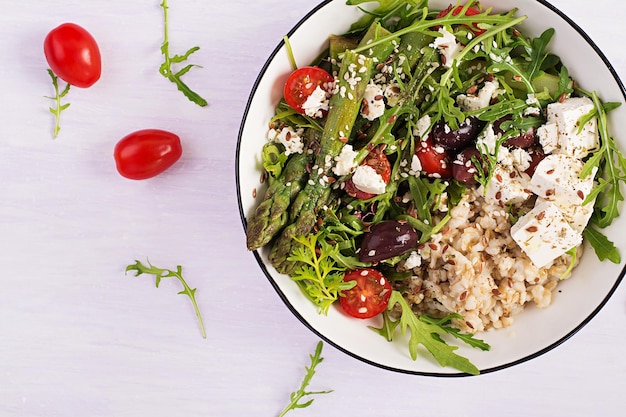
(576,301)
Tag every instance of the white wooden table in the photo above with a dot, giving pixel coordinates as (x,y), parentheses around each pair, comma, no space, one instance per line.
(78,337)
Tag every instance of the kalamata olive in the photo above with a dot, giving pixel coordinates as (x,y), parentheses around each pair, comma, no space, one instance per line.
(459,138)
(523,140)
(536,155)
(388,239)
(497,125)
(464,168)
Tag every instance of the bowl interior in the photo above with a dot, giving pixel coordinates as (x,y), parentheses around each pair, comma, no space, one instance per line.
(535,331)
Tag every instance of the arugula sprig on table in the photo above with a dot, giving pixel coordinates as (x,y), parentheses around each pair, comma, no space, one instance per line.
(58,95)
(301,393)
(160,273)
(166,67)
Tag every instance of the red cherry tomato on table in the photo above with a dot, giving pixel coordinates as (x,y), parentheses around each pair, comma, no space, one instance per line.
(146,153)
(73,55)
(435,160)
(302,83)
(471,11)
(377,160)
(369,297)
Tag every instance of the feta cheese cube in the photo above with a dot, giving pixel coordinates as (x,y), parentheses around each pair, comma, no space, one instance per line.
(557,178)
(560,133)
(507,186)
(548,137)
(366,179)
(576,215)
(544,234)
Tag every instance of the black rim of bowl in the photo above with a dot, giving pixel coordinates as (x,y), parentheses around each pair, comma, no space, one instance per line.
(349,353)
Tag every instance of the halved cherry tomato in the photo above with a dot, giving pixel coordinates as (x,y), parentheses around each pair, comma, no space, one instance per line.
(435,160)
(73,55)
(471,11)
(303,82)
(377,160)
(369,297)
(146,153)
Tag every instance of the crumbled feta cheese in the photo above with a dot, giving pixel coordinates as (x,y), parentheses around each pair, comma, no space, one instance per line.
(448,47)
(561,134)
(487,140)
(531,100)
(520,159)
(422,126)
(544,234)
(392,94)
(416,166)
(373,102)
(366,179)
(413,261)
(532,111)
(345,163)
(289,138)
(316,104)
(470,102)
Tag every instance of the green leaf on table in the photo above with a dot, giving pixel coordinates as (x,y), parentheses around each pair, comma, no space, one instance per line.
(301,393)
(160,273)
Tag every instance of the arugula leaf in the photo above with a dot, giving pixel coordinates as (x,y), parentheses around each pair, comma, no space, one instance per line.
(611,166)
(166,67)
(525,68)
(538,53)
(389,327)
(296,396)
(167,273)
(429,335)
(465,337)
(603,247)
(58,95)
(317,273)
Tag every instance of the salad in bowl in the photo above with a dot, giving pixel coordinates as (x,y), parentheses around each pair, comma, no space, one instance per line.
(432,175)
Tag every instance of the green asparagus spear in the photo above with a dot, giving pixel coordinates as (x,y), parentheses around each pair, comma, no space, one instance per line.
(344,108)
(271,215)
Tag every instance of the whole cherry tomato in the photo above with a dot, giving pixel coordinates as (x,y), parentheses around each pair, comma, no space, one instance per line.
(73,55)
(377,160)
(369,297)
(146,153)
(302,83)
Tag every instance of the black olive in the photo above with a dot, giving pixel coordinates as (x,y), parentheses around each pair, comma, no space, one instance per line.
(388,239)
(536,155)
(464,167)
(450,139)
(522,140)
